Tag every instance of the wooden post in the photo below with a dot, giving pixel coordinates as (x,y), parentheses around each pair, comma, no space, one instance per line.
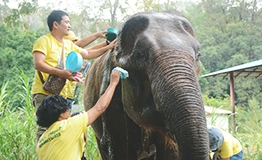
(232,100)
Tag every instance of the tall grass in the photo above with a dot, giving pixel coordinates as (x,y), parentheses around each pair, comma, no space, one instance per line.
(17,127)
(17,135)
(249,131)
(92,152)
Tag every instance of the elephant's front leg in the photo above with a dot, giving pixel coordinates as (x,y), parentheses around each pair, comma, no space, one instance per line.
(166,147)
(121,136)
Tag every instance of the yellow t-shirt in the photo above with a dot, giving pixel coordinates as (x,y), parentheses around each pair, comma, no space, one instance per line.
(229,147)
(52,49)
(63,140)
(71,86)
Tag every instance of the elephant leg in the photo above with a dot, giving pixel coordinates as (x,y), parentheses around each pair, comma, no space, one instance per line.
(158,146)
(102,153)
(147,150)
(166,147)
(121,136)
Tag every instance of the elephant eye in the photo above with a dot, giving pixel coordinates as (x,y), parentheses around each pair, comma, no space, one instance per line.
(198,55)
(135,51)
(138,53)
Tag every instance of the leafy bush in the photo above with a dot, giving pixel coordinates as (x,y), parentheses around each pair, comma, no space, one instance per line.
(18,127)
(250,129)
(17,134)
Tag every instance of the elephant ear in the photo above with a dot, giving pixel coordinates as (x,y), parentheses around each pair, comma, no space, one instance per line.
(129,32)
(108,63)
(186,24)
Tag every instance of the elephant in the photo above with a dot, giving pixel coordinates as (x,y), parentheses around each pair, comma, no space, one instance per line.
(157,112)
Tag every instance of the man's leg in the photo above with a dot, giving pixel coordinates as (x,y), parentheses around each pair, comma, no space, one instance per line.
(70,102)
(37,100)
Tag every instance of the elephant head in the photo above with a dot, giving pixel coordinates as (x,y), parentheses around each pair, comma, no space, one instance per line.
(158,112)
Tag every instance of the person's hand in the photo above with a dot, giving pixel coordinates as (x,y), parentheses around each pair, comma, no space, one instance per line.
(115,77)
(101,34)
(68,74)
(112,44)
(79,77)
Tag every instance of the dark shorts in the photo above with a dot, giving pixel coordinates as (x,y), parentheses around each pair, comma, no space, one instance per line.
(37,99)
(70,102)
(238,156)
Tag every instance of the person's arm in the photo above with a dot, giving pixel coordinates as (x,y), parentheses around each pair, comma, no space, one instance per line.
(87,40)
(99,45)
(104,101)
(224,158)
(40,65)
(94,53)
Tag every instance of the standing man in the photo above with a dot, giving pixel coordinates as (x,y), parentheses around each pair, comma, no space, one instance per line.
(47,52)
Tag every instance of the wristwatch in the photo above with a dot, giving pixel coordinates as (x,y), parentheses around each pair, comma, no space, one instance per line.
(107,42)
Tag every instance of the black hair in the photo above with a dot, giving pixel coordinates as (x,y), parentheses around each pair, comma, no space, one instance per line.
(50,110)
(55,16)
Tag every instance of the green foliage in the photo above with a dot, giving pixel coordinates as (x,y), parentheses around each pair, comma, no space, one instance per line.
(251,144)
(250,120)
(26,94)
(228,37)
(4,98)
(16,47)
(223,103)
(18,127)
(17,134)
(24,8)
(249,129)
(92,151)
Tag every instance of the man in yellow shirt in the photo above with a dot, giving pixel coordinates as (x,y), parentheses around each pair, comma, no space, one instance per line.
(224,145)
(47,54)
(63,140)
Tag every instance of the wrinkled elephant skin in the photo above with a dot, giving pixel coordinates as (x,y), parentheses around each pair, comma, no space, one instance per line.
(156,113)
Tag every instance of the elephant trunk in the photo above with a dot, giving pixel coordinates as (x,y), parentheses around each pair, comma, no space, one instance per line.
(178,98)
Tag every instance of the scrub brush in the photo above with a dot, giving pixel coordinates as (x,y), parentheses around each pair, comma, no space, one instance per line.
(124,73)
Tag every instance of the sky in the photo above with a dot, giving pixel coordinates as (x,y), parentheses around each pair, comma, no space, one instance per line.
(73,6)
(14,4)
(59,4)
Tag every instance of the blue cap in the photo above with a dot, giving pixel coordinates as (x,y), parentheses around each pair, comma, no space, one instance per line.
(215,138)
